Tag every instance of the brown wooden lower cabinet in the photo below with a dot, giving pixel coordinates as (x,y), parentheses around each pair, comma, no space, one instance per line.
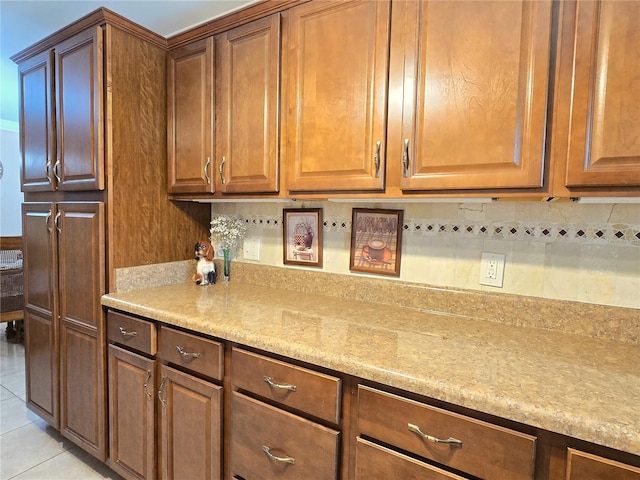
(375,462)
(268,443)
(584,466)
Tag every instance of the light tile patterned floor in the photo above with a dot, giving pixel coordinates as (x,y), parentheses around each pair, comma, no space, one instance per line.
(29,448)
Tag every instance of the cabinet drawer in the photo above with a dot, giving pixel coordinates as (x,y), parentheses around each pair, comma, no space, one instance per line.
(131,332)
(487,451)
(585,466)
(311,392)
(299,448)
(192,352)
(374,462)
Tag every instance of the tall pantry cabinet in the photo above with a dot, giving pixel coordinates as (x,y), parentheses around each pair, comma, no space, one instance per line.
(93,136)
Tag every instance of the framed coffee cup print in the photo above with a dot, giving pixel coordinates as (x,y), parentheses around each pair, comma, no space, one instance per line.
(376,240)
(302,236)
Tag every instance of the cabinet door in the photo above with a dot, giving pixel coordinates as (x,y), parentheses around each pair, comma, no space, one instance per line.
(337,70)
(247,120)
(132,398)
(191,426)
(190,112)
(37,120)
(475,93)
(80,111)
(41,310)
(604,139)
(584,466)
(82,334)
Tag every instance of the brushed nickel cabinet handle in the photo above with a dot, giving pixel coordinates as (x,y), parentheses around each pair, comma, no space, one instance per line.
(127,334)
(186,354)
(57,170)
(206,170)
(56,222)
(161,396)
(286,459)
(376,159)
(47,173)
(405,158)
(47,221)
(221,170)
(451,441)
(283,386)
(146,385)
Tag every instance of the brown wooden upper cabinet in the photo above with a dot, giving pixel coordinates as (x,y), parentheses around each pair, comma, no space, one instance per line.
(247,107)
(336,58)
(474,93)
(190,110)
(62,140)
(598,96)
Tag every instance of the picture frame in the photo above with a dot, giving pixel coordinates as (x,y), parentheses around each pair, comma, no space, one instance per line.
(302,236)
(376,241)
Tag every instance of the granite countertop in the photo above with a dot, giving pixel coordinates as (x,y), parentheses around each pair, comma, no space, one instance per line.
(583,387)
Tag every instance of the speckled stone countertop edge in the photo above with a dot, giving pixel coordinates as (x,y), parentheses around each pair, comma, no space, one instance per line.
(579,415)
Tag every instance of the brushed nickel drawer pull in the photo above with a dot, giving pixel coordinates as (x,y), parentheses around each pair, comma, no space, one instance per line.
(56,222)
(46,172)
(206,171)
(284,386)
(56,170)
(221,170)
(161,392)
(47,220)
(267,450)
(451,441)
(146,385)
(376,159)
(186,354)
(405,158)
(127,334)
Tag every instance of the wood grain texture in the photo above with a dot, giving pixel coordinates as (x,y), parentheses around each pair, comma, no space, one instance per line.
(144,226)
(475,97)
(210,354)
(584,466)
(336,96)
(132,414)
(248,107)
(11,243)
(138,334)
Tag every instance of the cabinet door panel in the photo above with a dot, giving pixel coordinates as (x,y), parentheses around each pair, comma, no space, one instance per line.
(190,112)
(37,133)
(79,99)
(132,414)
(82,261)
(247,119)
(191,426)
(83,406)
(475,93)
(41,366)
(584,466)
(604,139)
(336,95)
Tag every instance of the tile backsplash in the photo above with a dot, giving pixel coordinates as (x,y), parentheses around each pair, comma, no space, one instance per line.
(560,250)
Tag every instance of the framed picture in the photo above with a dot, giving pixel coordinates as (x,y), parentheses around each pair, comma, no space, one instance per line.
(302,236)
(376,240)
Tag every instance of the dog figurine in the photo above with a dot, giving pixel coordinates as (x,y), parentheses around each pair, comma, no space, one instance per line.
(205,268)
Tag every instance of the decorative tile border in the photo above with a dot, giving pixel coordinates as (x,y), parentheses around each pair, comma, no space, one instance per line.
(583,233)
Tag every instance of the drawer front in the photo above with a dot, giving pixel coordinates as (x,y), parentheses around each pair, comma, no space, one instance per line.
(486,451)
(131,332)
(192,352)
(311,392)
(298,447)
(585,466)
(374,462)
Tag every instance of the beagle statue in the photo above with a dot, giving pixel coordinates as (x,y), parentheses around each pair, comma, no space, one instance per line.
(205,268)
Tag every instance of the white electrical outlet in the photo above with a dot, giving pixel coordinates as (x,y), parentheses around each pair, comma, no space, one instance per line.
(251,249)
(492,269)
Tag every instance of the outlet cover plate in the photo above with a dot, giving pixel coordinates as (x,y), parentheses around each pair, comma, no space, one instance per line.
(251,249)
(492,269)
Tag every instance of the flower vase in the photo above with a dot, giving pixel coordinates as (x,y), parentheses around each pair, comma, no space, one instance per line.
(227,264)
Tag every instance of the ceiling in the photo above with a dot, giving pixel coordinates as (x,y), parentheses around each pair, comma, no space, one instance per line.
(25,22)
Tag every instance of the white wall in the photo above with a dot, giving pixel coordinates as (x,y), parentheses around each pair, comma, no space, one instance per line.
(10,195)
(561,250)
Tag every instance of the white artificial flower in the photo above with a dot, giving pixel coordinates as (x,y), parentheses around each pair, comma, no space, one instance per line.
(227,231)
